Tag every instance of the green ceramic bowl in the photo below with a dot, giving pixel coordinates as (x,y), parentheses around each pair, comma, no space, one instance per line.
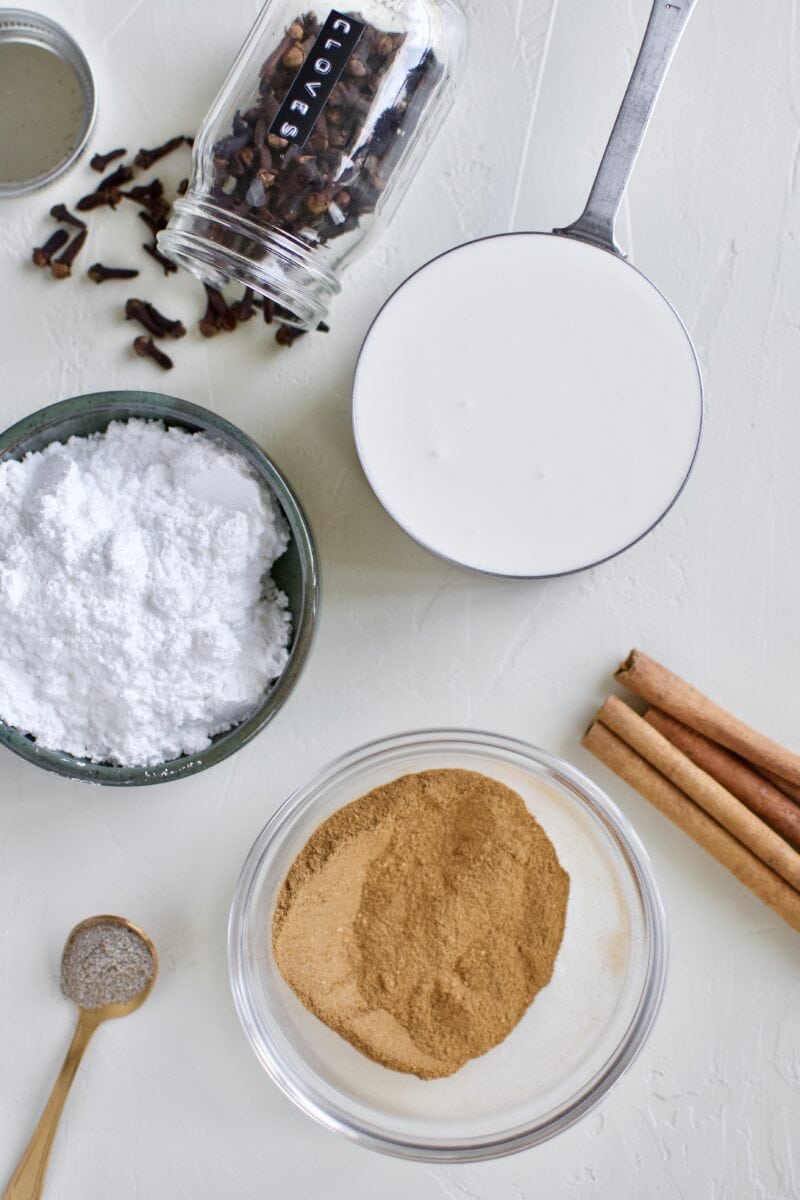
(296,573)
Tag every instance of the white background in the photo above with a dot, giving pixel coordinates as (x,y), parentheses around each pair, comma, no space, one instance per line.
(171,1102)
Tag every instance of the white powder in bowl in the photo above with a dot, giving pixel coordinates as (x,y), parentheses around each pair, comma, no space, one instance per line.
(137,615)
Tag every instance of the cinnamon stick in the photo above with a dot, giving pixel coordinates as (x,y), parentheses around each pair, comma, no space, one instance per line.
(664,690)
(760,796)
(683,812)
(714,799)
(789,789)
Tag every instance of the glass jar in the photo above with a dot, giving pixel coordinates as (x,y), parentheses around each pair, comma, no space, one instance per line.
(311,143)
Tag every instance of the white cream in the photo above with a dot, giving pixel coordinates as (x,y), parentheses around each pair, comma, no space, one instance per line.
(527,405)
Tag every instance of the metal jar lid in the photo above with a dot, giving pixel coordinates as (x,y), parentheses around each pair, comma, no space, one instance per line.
(47,101)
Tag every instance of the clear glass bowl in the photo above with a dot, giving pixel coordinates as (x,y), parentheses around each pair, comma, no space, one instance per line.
(578,1037)
(296,573)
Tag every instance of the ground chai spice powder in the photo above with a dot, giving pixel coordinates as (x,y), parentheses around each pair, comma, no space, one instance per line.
(420,921)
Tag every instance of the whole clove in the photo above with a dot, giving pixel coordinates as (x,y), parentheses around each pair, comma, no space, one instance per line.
(160,210)
(173,329)
(145,347)
(154,225)
(153,321)
(210,323)
(42,255)
(244,309)
(136,310)
(150,196)
(108,197)
(218,312)
(287,335)
(167,265)
(114,181)
(100,273)
(60,212)
(141,192)
(146,158)
(61,267)
(101,161)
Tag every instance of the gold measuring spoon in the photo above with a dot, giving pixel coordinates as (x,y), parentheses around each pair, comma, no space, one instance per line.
(108,969)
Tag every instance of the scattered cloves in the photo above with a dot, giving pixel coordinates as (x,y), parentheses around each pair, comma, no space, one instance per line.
(146,158)
(42,255)
(100,273)
(152,320)
(60,212)
(208,322)
(101,161)
(61,267)
(145,347)
(252,158)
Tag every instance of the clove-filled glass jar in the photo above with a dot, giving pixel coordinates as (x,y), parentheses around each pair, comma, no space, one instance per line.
(311,143)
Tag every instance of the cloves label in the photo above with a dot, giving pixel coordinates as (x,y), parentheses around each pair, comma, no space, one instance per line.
(316,79)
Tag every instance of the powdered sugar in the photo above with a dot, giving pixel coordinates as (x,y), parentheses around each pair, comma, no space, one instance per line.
(137,616)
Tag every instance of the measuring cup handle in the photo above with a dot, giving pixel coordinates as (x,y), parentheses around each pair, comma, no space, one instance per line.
(596,223)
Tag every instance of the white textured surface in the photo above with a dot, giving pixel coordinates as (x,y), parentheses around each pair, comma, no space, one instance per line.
(171,1102)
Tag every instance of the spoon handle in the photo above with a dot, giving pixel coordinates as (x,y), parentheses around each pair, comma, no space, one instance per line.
(596,224)
(27,1181)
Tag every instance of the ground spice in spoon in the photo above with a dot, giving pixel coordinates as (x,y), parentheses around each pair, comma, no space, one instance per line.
(420,921)
(105,963)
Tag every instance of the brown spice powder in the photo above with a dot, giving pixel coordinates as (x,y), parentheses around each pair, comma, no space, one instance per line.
(420,921)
